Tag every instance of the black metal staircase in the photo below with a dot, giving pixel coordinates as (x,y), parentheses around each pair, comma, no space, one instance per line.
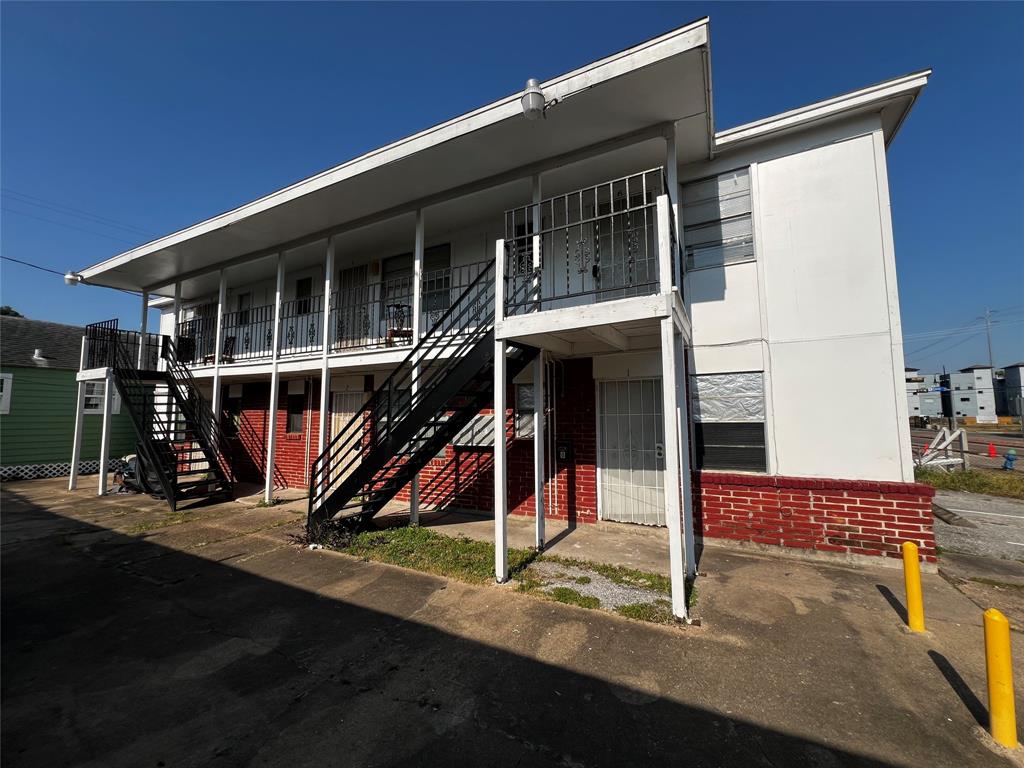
(178,436)
(446,380)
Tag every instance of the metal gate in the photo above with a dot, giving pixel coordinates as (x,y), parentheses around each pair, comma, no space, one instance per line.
(630,447)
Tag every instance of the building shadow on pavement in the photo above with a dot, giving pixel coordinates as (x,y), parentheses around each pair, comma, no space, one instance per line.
(119,651)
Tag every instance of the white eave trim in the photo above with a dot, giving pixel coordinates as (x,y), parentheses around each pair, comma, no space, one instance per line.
(908,85)
(671,43)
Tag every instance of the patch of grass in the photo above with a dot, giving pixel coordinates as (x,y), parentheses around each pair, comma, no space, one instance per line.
(582,579)
(421,549)
(171,518)
(629,577)
(991,482)
(572,597)
(658,612)
(274,501)
(995,583)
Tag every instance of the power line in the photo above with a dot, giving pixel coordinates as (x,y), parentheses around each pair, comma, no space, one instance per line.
(69,226)
(67,210)
(55,272)
(30,264)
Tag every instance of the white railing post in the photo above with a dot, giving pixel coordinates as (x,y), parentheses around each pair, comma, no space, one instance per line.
(664,244)
(539,415)
(672,182)
(143,328)
(535,221)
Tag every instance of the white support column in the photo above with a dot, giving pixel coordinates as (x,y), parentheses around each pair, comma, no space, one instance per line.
(673,517)
(500,476)
(108,385)
(143,328)
(76,446)
(417,331)
(672,182)
(325,371)
(275,384)
(218,343)
(664,244)
(177,312)
(538,448)
(535,220)
(685,472)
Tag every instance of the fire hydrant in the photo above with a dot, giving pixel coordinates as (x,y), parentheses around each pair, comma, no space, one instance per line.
(1009,459)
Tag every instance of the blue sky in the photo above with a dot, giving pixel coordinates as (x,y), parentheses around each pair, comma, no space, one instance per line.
(127,120)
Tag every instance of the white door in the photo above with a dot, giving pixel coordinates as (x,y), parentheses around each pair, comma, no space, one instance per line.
(344,406)
(630,448)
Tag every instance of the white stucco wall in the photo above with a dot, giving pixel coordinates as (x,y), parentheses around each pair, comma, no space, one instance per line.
(818,312)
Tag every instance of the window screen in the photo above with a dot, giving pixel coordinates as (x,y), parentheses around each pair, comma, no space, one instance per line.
(94,398)
(728,415)
(296,403)
(524,410)
(717,226)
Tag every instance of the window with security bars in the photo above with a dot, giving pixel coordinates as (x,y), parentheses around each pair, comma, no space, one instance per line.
(717,223)
(729,421)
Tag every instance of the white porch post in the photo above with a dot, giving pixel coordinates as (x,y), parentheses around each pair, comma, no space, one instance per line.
(177,312)
(538,449)
(538,380)
(218,343)
(275,382)
(143,327)
(500,477)
(672,182)
(325,371)
(685,486)
(417,331)
(108,384)
(673,516)
(76,446)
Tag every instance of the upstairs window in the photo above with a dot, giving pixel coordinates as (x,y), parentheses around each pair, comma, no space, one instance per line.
(303,295)
(717,225)
(729,418)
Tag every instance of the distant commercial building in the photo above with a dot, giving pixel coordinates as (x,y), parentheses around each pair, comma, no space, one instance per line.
(1010,393)
(923,395)
(970,394)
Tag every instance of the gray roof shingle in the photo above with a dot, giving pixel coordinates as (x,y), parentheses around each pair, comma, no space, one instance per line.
(61,345)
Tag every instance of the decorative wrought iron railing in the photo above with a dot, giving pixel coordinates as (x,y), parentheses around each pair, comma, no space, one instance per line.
(104,340)
(302,325)
(372,315)
(596,244)
(248,334)
(442,287)
(197,339)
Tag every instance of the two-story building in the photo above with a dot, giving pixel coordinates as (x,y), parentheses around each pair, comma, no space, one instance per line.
(580,301)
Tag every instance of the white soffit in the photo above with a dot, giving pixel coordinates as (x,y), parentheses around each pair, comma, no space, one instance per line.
(660,81)
(892,98)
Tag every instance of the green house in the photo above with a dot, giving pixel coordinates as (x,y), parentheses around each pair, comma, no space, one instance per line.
(38,396)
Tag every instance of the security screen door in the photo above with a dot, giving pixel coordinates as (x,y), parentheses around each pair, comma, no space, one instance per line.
(344,406)
(631,454)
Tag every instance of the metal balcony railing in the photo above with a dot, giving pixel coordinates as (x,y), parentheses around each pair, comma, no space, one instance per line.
(302,325)
(596,244)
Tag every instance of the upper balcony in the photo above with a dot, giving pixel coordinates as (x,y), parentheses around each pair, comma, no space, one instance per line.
(602,257)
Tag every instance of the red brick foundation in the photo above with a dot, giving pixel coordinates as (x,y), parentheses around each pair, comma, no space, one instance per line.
(846,516)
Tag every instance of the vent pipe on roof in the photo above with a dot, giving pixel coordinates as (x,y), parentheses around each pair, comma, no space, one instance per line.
(38,355)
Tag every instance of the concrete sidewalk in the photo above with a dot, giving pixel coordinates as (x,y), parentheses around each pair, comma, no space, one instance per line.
(133,637)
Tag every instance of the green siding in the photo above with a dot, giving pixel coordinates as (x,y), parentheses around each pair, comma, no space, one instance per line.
(41,425)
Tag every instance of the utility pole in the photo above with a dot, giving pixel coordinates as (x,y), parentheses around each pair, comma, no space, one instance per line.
(988,335)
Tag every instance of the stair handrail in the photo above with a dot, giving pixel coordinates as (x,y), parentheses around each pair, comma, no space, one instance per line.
(439,338)
(199,410)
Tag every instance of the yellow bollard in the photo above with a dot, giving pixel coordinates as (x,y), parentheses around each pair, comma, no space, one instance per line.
(1002,720)
(912,580)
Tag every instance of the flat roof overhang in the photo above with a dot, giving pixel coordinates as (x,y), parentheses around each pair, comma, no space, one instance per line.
(661,83)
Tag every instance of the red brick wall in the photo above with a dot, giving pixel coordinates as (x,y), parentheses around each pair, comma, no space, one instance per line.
(465,477)
(848,516)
